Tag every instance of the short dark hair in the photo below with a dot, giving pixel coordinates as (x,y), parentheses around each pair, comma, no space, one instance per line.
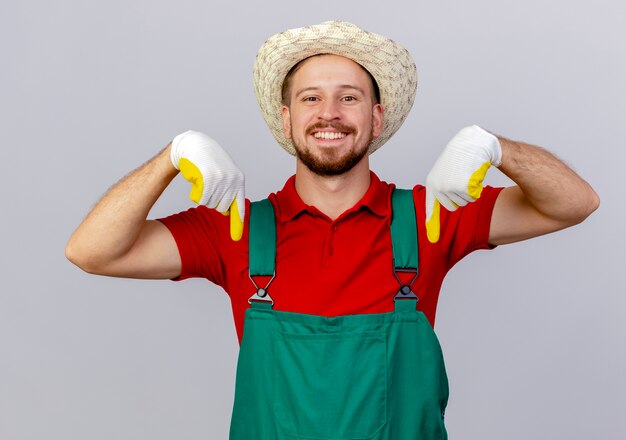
(286,90)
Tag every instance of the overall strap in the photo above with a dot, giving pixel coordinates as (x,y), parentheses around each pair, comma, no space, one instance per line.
(262,243)
(404,239)
(262,248)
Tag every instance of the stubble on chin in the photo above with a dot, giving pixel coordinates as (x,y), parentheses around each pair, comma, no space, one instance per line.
(329,164)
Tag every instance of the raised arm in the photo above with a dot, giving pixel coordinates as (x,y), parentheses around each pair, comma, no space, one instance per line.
(549,195)
(115,239)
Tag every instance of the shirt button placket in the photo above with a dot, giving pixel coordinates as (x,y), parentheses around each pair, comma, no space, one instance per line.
(333,229)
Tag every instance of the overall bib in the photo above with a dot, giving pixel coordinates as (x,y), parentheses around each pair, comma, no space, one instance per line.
(372,376)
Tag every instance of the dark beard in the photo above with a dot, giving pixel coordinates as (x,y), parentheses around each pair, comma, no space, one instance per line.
(331,167)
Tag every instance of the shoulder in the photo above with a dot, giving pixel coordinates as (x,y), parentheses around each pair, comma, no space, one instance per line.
(198,218)
(462,231)
(201,226)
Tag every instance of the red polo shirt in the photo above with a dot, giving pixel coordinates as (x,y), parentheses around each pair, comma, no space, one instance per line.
(326,267)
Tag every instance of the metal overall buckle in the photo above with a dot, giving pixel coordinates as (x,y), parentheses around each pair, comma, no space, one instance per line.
(261,294)
(405,291)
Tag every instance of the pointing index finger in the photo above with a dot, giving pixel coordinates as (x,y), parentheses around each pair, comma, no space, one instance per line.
(433,208)
(236,223)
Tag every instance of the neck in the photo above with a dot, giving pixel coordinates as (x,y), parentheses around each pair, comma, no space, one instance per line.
(333,195)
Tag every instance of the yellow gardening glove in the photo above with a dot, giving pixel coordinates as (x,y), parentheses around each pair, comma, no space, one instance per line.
(215,179)
(457,176)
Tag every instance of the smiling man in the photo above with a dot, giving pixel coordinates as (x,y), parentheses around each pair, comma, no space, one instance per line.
(334,279)
(325,88)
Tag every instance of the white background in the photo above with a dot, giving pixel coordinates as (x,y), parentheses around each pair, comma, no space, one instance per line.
(533,333)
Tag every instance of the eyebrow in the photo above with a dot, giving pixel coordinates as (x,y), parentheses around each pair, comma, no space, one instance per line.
(341,87)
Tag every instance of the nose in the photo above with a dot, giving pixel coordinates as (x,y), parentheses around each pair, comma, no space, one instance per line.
(329,110)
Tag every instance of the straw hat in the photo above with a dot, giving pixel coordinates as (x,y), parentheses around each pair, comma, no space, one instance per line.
(390,64)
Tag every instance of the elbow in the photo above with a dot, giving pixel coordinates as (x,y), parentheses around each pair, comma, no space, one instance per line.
(592,203)
(585,206)
(80,258)
(75,256)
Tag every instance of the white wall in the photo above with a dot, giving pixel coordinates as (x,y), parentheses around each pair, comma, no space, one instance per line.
(533,333)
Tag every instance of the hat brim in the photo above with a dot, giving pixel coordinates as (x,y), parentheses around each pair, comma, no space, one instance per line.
(390,64)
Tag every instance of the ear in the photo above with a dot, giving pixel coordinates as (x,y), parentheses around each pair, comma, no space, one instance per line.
(286,121)
(377,120)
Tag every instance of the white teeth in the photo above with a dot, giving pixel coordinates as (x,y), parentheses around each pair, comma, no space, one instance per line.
(328,135)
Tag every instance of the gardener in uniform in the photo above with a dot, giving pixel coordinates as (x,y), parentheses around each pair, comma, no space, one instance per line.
(334,279)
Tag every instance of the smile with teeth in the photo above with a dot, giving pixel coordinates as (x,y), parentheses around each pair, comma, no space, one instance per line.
(329,135)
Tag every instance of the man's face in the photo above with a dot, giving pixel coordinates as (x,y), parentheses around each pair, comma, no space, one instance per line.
(332,116)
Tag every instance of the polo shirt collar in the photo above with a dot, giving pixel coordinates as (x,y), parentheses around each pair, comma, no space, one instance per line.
(290,204)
